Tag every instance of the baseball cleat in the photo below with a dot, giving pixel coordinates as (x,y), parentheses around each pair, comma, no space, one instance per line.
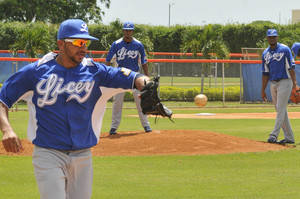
(147,129)
(284,141)
(112,131)
(272,139)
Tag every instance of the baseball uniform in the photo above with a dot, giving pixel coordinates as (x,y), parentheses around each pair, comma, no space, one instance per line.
(276,64)
(66,108)
(129,55)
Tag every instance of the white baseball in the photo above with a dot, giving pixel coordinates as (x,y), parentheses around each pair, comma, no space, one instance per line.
(200,100)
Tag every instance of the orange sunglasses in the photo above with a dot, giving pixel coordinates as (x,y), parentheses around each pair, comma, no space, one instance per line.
(79,42)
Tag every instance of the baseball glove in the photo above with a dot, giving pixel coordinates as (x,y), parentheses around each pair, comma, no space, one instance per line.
(295,96)
(150,101)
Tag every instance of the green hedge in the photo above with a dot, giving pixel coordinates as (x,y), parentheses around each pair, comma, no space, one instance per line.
(166,39)
(169,93)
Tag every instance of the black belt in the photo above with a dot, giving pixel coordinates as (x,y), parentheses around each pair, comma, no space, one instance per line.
(277,80)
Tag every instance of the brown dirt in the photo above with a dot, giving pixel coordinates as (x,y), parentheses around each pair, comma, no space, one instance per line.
(166,142)
(270,115)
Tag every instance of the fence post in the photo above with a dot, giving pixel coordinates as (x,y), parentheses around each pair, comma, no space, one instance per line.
(216,73)
(172,71)
(223,86)
(241,84)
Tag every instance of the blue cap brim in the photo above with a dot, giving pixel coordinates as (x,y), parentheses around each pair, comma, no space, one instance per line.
(83,36)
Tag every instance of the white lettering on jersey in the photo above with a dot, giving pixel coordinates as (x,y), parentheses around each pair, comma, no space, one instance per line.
(275,56)
(53,87)
(130,53)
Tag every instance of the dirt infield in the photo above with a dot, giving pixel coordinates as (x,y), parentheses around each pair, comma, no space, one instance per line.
(269,115)
(168,142)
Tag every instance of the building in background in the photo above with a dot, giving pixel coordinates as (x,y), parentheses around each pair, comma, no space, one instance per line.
(295,16)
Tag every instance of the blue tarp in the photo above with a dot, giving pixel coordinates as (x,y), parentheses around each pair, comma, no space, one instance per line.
(252,82)
(7,68)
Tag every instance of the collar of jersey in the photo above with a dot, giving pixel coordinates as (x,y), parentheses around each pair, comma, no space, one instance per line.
(51,57)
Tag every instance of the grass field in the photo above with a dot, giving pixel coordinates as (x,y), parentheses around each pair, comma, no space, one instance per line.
(188,82)
(263,175)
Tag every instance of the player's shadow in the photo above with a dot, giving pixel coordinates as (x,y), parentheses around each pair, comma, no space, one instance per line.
(120,135)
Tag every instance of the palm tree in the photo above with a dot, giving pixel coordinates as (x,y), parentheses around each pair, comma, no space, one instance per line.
(207,40)
(35,39)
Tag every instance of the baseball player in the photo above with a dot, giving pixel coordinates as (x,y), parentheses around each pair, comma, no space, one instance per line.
(129,53)
(295,49)
(278,68)
(66,95)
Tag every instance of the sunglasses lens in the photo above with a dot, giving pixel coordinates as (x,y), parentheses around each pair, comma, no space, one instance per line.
(80,42)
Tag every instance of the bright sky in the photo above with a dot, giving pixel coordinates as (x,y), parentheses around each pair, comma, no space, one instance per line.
(200,12)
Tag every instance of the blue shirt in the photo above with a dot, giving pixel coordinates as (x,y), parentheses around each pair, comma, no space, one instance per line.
(66,106)
(277,63)
(127,54)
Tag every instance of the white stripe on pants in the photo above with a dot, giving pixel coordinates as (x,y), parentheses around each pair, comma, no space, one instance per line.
(280,92)
(117,109)
(63,175)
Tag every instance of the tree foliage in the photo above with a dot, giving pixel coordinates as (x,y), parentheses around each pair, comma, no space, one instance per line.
(53,11)
(206,39)
(35,39)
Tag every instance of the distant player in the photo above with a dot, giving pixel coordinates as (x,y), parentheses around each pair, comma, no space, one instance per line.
(129,53)
(296,49)
(66,95)
(278,68)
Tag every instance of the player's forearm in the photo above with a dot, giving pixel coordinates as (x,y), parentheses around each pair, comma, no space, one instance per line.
(5,127)
(265,80)
(107,63)
(145,68)
(293,77)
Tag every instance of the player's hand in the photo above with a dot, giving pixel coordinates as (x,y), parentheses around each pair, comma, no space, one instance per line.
(264,96)
(11,142)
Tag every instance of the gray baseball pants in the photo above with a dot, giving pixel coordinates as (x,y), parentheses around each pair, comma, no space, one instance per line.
(117,109)
(63,174)
(280,92)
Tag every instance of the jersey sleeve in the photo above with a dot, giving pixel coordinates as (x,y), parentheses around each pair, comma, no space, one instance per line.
(265,67)
(112,77)
(290,59)
(143,54)
(111,52)
(17,85)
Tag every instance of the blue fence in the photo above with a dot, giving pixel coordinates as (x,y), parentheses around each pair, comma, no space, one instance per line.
(252,82)
(7,68)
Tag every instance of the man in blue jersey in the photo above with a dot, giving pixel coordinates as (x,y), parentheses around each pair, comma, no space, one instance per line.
(296,49)
(128,53)
(66,95)
(278,68)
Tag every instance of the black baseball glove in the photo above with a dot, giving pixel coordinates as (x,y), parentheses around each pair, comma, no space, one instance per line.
(150,101)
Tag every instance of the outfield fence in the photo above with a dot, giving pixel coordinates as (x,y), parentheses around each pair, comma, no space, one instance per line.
(181,71)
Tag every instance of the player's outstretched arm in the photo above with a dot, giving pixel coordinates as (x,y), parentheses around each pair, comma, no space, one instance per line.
(10,140)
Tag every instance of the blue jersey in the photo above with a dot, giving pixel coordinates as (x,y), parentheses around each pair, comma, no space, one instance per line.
(66,106)
(277,63)
(128,54)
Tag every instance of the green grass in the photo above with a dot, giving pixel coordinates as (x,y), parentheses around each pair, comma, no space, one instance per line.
(264,175)
(187,82)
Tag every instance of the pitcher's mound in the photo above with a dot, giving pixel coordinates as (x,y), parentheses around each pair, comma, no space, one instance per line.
(181,142)
(166,142)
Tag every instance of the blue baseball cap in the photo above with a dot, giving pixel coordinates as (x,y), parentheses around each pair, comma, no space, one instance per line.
(128,26)
(295,49)
(74,28)
(272,33)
